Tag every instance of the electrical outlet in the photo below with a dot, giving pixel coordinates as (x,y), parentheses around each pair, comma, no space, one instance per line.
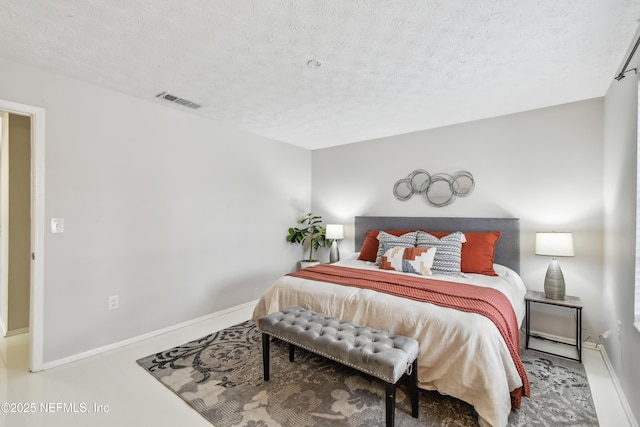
(114,302)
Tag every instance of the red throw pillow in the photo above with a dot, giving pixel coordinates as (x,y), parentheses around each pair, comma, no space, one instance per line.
(478,252)
(369,249)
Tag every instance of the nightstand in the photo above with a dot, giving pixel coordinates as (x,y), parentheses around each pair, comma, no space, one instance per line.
(569,302)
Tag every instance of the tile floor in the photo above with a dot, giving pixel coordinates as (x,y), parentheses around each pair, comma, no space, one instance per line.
(110,389)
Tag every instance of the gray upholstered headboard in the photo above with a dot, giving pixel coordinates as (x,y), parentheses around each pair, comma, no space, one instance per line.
(507,248)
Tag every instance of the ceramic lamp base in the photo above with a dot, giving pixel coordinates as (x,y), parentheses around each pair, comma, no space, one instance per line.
(334,254)
(554,281)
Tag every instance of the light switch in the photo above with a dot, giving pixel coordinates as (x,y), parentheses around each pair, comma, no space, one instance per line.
(57,225)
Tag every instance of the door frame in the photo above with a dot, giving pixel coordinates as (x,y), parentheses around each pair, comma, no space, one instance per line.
(4,226)
(36,312)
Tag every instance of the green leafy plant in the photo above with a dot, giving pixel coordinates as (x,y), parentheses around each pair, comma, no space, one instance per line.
(311,230)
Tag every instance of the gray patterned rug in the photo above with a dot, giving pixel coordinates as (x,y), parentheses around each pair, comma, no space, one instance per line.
(220,376)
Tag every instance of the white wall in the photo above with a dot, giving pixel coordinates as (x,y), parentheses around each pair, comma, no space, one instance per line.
(620,198)
(178,215)
(542,166)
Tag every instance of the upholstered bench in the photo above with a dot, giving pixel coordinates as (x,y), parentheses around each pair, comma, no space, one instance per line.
(377,353)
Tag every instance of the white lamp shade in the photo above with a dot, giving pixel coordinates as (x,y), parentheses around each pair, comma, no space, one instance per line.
(554,244)
(334,232)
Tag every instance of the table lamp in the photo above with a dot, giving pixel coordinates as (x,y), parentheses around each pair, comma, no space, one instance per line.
(334,233)
(554,245)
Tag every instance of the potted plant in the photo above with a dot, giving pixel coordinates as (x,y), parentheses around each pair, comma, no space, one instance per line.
(311,231)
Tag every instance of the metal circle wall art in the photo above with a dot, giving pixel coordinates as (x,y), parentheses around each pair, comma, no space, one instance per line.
(439,190)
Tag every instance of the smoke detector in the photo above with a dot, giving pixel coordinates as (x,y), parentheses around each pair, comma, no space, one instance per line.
(178,100)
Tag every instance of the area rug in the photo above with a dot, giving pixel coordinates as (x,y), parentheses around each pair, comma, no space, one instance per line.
(220,376)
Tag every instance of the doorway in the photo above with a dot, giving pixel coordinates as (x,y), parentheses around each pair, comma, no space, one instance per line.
(15,222)
(36,240)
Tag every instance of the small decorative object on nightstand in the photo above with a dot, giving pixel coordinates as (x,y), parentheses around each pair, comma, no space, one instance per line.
(554,245)
(568,302)
(334,233)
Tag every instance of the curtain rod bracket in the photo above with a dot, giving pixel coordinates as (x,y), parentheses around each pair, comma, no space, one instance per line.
(626,64)
(621,75)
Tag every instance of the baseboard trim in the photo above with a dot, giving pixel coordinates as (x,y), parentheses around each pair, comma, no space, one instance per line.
(16,332)
(623,399)
(564,340)
(246,308)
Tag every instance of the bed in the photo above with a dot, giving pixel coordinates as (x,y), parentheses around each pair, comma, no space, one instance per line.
(462,354)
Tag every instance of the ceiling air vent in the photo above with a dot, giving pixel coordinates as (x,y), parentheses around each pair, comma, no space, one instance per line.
(178,100)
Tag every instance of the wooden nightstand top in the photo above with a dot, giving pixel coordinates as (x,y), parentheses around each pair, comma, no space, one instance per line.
(568,301)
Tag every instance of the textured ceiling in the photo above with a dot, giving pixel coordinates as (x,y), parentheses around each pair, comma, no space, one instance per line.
(388,66)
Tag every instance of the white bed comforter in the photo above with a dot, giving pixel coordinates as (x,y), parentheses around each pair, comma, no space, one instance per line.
(461,354)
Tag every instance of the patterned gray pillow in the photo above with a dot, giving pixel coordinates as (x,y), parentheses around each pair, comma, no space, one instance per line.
(388,241)
(448,251)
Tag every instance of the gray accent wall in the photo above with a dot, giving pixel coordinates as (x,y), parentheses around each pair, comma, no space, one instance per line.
(543,166)
(177,215)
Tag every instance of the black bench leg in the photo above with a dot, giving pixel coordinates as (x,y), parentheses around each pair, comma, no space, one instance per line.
(291,352)
(390,392)
(413,388)
(265,355)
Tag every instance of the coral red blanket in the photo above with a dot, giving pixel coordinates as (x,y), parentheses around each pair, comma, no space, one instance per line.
(488,302)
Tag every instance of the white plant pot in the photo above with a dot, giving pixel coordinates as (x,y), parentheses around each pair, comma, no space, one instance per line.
(305,264)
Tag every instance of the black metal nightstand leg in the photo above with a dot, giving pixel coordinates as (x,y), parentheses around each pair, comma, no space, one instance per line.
(527,326)
(579,333)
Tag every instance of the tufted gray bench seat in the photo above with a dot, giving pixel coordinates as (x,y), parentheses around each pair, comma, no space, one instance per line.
(374,352)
